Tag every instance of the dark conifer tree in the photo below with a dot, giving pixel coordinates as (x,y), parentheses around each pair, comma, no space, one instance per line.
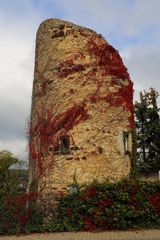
(147,123)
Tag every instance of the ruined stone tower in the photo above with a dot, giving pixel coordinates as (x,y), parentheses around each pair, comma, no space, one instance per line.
(82,109)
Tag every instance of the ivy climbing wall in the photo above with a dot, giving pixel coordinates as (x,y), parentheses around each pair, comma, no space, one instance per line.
(82,109)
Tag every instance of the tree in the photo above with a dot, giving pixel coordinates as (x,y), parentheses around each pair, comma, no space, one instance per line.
(147,122)
(8,181)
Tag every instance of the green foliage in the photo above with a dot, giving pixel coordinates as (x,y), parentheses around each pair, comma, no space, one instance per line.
(10,174)
(20,214)
(109,206)
(6,160)
(99,206)
(132,155)
(148,132)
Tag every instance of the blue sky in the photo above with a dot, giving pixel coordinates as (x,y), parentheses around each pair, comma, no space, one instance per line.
(131,26)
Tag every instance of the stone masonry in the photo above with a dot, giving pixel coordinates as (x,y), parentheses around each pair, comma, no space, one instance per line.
(82,109)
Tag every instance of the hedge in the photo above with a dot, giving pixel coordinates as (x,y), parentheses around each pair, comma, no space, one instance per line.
(99,206)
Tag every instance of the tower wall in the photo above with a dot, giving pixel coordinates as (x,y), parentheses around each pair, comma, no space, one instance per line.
(82,109)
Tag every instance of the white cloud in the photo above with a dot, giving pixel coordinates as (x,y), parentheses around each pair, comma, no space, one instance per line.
(16,67)
(18,147)
(143,64)
(123,17)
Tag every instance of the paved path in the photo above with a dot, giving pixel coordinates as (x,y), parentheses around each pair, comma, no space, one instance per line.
(110,235)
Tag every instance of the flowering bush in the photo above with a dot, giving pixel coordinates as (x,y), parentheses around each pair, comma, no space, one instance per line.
(100,206)
(20,214)
(109,206)
(154,200)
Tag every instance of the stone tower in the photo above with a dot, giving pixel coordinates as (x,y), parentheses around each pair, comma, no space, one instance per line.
(82,109)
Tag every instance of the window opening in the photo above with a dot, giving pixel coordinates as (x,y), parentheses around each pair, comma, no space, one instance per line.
(126,142)
(50,149)
(65,144)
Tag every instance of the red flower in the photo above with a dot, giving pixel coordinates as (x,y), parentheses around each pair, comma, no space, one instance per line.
(21,200)
(103,203)
(89,226)
(23,219)
(68,211)
(32,195)
(154,200)
(91,191)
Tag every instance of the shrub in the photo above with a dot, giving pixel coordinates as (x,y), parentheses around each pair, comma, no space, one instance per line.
(20,214)
(99,206)
(109,206)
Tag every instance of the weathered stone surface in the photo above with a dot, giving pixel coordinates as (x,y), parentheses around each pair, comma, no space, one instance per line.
(82,109)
